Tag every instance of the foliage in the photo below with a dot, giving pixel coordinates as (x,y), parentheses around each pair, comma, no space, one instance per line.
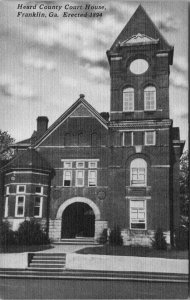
(115,237)
(5,141)
(30,233)
(181,238)
(103,237)
(7,236)
(184,188)
(159,241)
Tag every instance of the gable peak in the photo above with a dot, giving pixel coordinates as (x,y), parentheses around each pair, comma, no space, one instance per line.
(142,27)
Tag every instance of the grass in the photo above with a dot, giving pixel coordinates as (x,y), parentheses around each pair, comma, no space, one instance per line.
(24,248)
(134,251)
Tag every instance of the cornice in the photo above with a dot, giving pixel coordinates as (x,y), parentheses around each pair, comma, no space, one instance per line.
(140,124)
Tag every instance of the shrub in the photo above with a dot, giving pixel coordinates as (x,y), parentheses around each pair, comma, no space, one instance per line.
(159,241)
(103,237)
(7,236)
(115,237)
(181,238)
(30,233)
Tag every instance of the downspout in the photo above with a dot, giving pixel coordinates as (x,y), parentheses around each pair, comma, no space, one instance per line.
(48,204)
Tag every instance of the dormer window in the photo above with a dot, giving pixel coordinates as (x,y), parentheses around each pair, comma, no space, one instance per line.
(128,99)
(150,98)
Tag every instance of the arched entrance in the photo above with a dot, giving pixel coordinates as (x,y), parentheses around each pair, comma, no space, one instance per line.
(79,217)
(78,220)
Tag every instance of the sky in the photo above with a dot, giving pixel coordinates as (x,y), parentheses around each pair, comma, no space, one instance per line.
(47,62)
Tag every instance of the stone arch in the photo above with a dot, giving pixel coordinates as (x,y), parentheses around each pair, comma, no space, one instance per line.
(81,200)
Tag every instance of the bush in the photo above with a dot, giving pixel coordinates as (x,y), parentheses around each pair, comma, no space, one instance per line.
(30,233)
(159,241)
(115,237)
(181,238)
(103,237)
(7,236)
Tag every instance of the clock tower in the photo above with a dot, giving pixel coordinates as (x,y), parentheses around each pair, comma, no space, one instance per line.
(140,60)
(143,139)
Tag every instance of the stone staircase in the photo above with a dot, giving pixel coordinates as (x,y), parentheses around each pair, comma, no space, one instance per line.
(47,262)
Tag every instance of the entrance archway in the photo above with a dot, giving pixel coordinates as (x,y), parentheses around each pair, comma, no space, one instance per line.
(79,217)
(78,220)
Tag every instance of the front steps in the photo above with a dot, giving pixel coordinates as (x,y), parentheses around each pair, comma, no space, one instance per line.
(47,262)
(77,241)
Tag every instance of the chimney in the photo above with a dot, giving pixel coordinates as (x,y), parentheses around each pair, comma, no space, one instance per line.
(105,115)
(42,125)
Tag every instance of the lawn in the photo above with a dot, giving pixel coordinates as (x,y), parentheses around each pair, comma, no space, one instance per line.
(134,251)
(20,249)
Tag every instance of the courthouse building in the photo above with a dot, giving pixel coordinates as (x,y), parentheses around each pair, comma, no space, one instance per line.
(89,170)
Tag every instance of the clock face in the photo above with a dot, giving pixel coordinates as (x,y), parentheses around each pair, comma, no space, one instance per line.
(139,66)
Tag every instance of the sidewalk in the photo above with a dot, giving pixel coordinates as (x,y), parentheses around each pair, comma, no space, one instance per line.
(101,263)
(66,248)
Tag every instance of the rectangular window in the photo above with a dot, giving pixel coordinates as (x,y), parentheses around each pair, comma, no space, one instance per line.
(80,165)
(39,190)
(138,176)
(21,189)
(138,138)
(19,208)
(92,165)
(79,178)
(150,138)
(137,214)
(92,178)
(6,207)
(128,138)
(7,190)
(67,165)
(67,178)
(38,206)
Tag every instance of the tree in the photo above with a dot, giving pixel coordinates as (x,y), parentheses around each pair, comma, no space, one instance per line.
(184,188)
(5,141)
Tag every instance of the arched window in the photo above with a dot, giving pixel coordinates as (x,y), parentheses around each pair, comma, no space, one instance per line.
(150,98)
(138,172)
(128,99)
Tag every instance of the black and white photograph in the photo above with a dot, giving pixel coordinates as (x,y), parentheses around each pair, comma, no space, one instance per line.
(94,154)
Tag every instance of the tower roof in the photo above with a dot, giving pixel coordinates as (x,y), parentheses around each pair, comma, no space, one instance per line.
(140,25)
(29,159)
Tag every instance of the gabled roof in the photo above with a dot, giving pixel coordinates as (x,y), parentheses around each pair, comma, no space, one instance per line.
(28,160)
(69,112)
(140,23)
